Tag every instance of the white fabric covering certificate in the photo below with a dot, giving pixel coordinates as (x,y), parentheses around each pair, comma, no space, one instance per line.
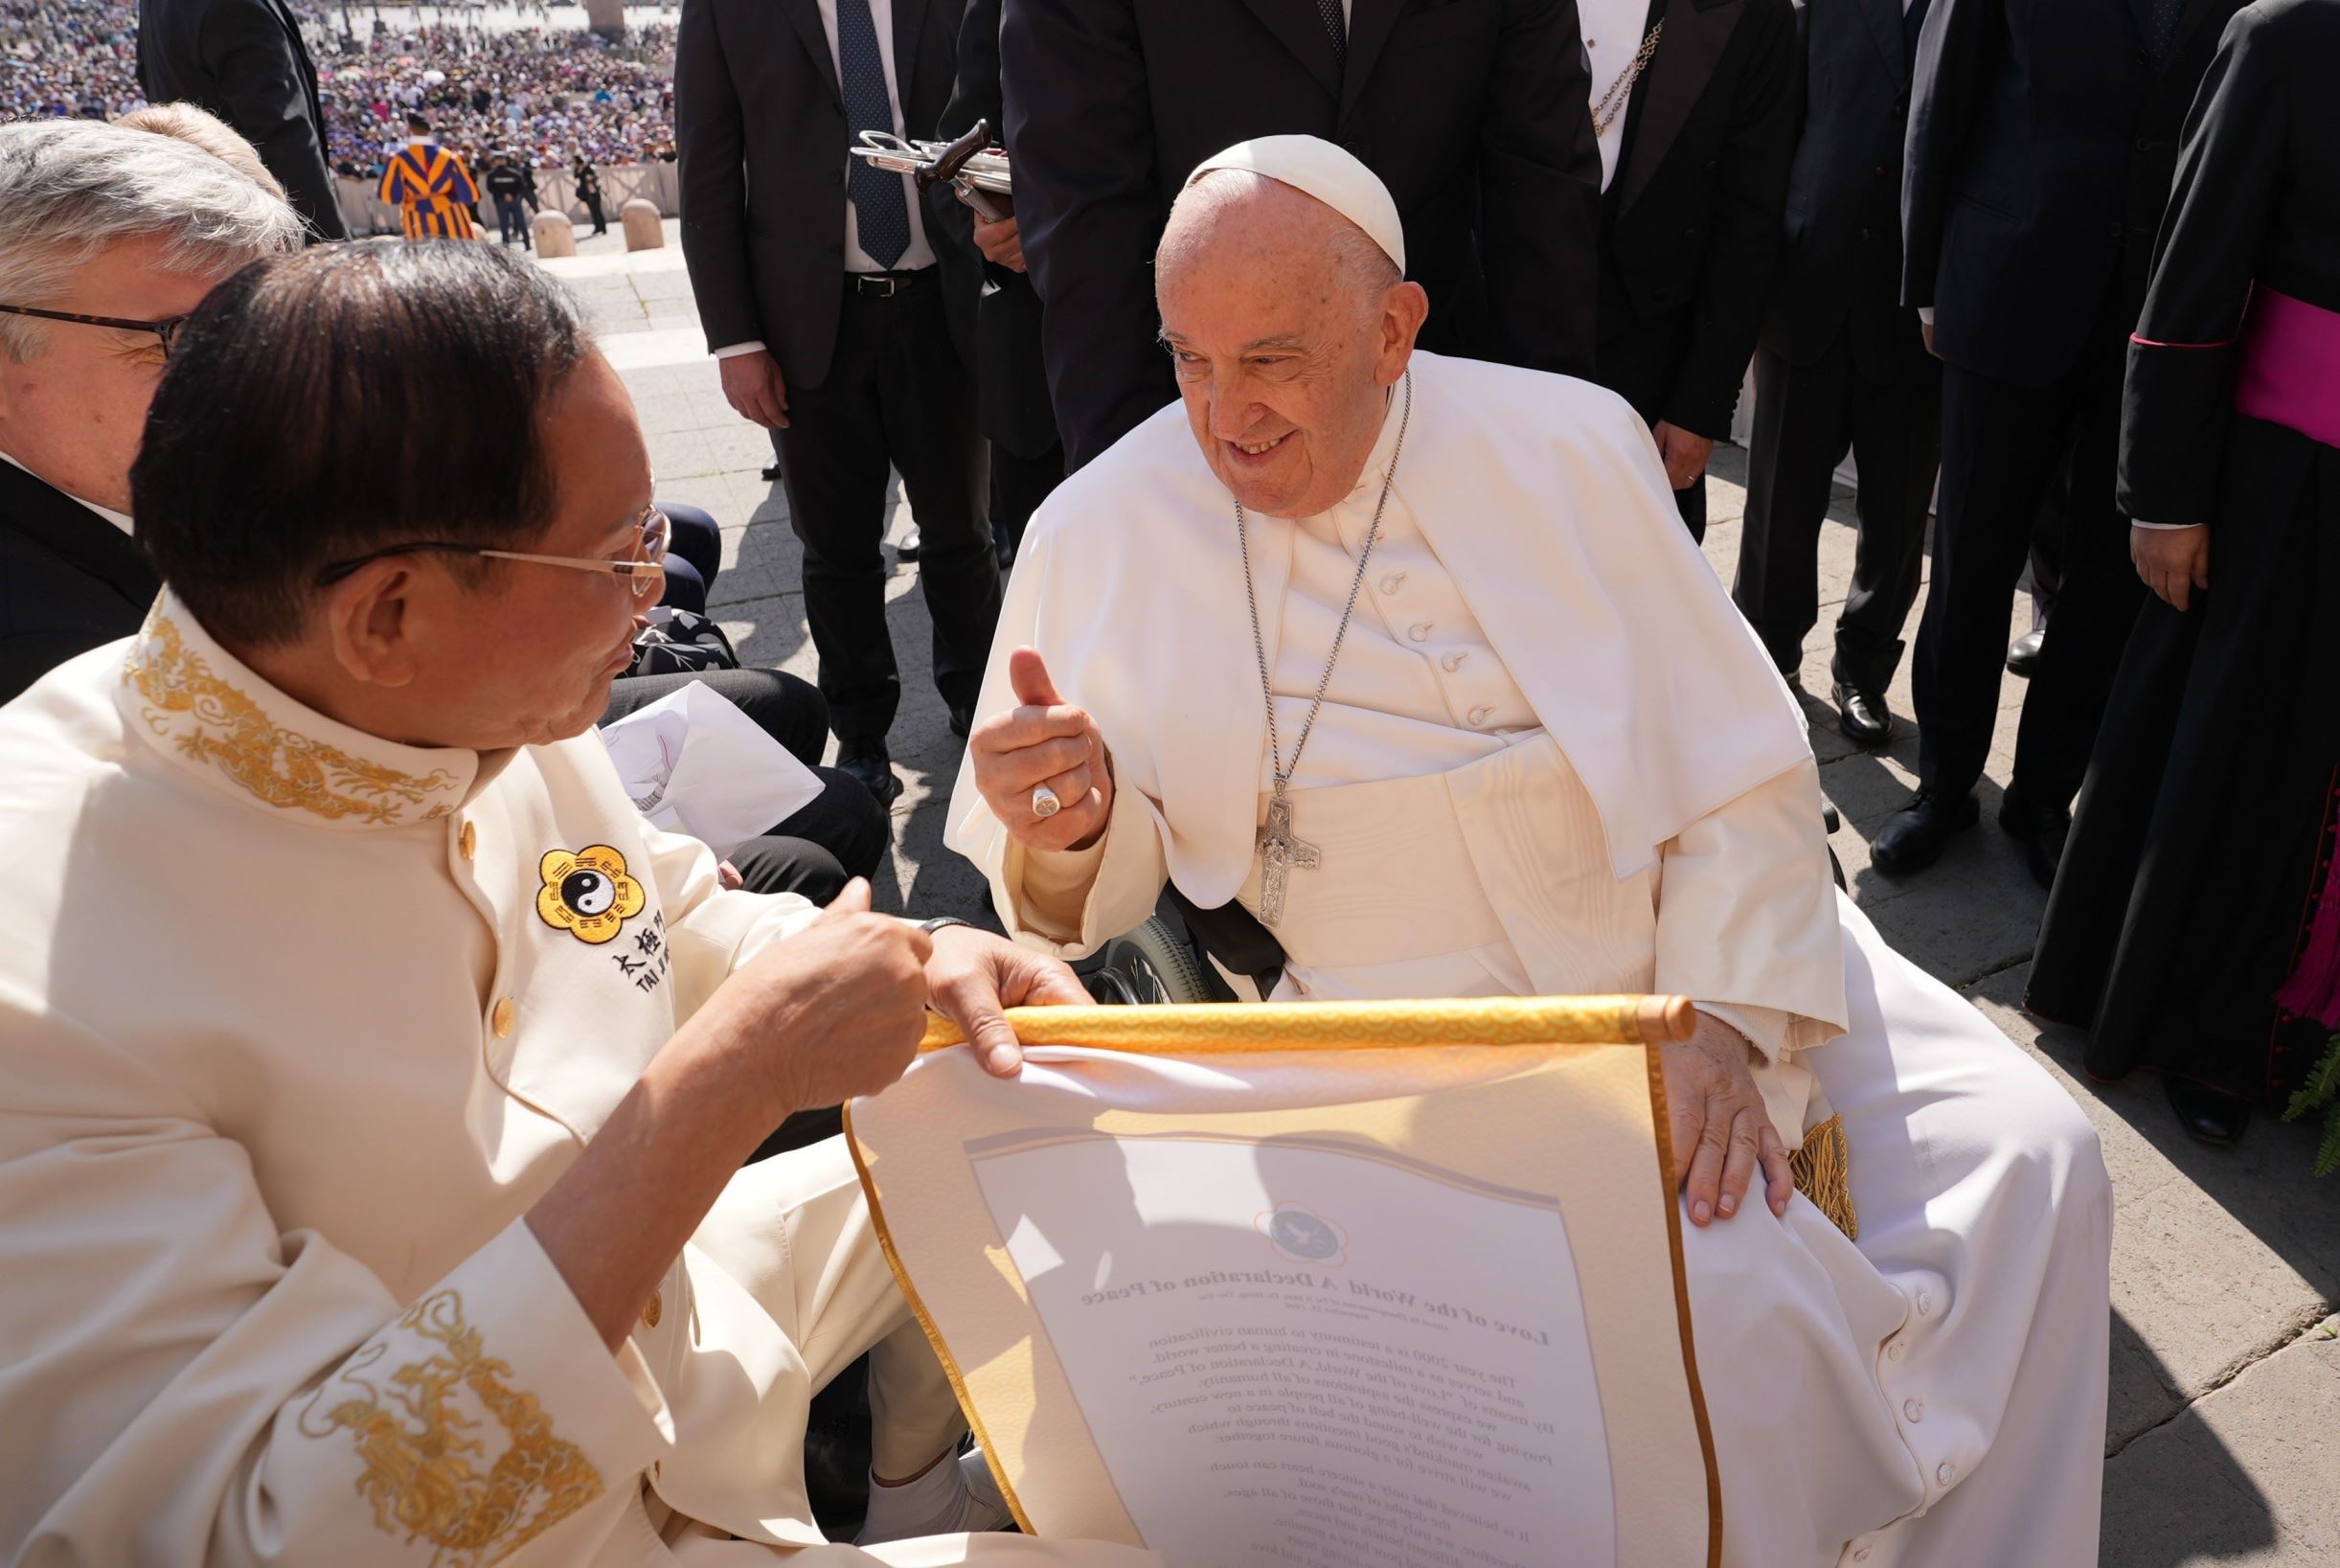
(1331,1358)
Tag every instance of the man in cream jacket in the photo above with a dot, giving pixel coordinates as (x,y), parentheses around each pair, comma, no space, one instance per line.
(377,1080)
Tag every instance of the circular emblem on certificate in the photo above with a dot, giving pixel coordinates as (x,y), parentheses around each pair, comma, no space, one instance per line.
(1301,1235)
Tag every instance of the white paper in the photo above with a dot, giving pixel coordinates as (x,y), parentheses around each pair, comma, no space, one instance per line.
(694,764)
(1304,1354)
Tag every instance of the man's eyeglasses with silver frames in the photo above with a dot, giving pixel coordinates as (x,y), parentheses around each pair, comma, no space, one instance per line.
(168,329)
(643,571)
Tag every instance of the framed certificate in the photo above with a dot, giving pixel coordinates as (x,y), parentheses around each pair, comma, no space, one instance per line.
(1329,1286)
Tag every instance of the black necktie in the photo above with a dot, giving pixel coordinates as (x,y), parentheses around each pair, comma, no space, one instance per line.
(881,217)
(1337,25)
(2161,23)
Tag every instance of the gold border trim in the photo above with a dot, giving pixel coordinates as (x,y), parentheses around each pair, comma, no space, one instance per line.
(934,1335)
(1204,1028)
(1681,1303)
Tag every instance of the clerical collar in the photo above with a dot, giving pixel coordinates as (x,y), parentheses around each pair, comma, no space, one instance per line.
(120,519)
(215,718)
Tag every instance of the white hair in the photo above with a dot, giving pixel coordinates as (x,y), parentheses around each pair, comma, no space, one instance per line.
(71,190)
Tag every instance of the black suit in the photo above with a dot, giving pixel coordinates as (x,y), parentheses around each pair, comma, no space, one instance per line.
(245,61)
(995,310)
(70,580)
(2042,143)
(1689,226)
(873,379)
(1471,111)
(1841,364)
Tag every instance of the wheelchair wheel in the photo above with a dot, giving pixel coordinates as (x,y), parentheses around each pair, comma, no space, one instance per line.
(1153,965)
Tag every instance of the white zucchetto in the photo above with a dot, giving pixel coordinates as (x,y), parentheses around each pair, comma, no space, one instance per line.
(1332,175)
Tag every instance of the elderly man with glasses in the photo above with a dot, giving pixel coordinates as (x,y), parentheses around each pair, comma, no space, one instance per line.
(108,236)
(379,1080)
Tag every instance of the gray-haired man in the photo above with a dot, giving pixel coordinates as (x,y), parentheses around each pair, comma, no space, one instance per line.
(109,237)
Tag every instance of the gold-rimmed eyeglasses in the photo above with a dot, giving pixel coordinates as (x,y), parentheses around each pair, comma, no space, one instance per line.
(166,328)
(644,571)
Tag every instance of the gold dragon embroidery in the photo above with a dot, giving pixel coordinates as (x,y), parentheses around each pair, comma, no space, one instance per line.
(425,1474)
(281,767)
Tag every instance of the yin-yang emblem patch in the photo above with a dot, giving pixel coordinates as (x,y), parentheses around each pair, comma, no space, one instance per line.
(587,893)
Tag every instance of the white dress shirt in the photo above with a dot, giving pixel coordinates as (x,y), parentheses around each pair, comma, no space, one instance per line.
(1613,32)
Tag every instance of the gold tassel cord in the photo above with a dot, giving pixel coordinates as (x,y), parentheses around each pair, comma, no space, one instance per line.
(1823,1171)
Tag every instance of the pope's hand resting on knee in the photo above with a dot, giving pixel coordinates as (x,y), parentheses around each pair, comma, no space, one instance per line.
(1715,1115)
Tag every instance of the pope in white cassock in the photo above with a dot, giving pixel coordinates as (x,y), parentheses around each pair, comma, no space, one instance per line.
(1515,741)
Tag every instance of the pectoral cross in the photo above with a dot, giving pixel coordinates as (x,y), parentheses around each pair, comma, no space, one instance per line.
(1281,852)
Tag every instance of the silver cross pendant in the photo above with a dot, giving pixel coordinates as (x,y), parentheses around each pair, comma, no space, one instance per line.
(1280,852)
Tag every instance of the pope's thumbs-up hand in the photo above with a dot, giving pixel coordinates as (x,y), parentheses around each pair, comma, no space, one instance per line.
(1042,765)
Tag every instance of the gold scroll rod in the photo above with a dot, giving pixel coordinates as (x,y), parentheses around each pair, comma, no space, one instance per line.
(1214,1028)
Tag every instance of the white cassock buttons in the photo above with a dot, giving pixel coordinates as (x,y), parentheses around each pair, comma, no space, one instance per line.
(1453,662)
(1913,1411)
(1925,1303)
(501,1018)
(1393,583)
(1861,1555)
(1420,631)
(468,841)
(1946,1474)
(1478,716)
(1895,1351)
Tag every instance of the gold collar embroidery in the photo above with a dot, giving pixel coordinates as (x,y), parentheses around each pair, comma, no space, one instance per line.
(226,733)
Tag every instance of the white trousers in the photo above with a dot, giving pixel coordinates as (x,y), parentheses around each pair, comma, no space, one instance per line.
(1933,1394)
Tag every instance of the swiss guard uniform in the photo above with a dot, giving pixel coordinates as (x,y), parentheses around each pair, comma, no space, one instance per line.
(298,1023)
(434,188)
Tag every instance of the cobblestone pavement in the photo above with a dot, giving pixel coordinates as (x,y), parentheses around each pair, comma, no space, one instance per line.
(2225,1415)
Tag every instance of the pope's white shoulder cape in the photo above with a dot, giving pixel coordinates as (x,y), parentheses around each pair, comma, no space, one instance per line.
(1544,498)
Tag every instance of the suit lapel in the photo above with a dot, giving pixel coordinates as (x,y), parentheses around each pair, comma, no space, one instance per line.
(909,22)
(70,530)
(2195,10)
(806,17)
(1678,74)
(1296,24)
(1885,26)
(1370,24)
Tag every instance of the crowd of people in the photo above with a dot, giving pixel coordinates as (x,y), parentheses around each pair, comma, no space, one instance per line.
(1310,466)
(549,95)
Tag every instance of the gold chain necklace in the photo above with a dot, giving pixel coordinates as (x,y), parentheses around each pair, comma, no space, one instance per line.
(1620,91)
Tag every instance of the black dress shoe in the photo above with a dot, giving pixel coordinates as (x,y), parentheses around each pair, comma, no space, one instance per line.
(1913,837)
(2023,653)
(867,761)
(2041,830)
(771,472)
(961,721)
(908,549)
(1861,717)
(2209,1116)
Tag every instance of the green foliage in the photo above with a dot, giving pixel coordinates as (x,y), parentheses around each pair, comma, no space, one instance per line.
(2321,1093)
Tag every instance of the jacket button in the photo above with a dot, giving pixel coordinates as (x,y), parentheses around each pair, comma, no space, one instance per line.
(1661,295)
(1901,109)
(1866,236)
(1355,146)
(468,841)
(2120,230)
(501,1018)
(652,1311)
(2144,144)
